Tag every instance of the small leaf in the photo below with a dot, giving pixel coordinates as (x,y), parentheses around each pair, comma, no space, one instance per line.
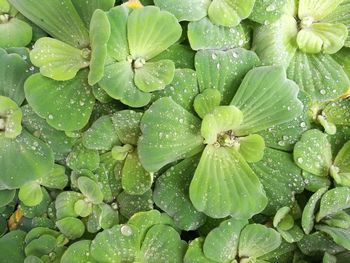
(131,204)
(261,107)
(205,102)
(338,112)
(334,201)
(195,253)
(203,34)
(341,220)
(257,240)
(78,252)
(68,105)
(268,10)
(15,33)
(217,186)
(252,148)
(82,158)
(10,118)
(342,160)
(30,194)
(90,189)
(229,13)
(56,179)
(118,82)
(170,133)
(65,203)
(221,244)
(308,217)
(71,227)
(224,70)
(313,153)
(339,235)
(316,9)
(127,125)
(151,31)
(154,75)
(6,197)
(12,247)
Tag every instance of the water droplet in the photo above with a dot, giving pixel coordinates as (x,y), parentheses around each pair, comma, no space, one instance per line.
(126,230)
(50,117)
(300,160)
(271,8)
(303,125)
(322,91)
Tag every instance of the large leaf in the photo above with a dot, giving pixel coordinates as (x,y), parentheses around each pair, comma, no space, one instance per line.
(267,11)
(185,10)
(228,12)
(78,252)
(83,158)
(257,240)
(334,201)
(224,184)
(86,9)
(275,43)
(316,9)
(151,31)
(100,32)
(339,235)
(115,245)
(13,73)
(313,153)
(319,75)
(12,247)
(280,177)
(170,132)
(68,104)
(203,34)
(131,204)
(171,195)
(57,17)
(183,89)
(266,98)
(221,244)
(326,37)
(56,59)
(342,160)
(162,243)
(224,70)
(338,112)
(118,82)
(23,159)
(127,126)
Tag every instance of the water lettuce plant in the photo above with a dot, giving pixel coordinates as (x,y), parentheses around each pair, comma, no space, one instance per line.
(157,131)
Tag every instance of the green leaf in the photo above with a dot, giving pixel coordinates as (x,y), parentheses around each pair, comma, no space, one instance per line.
(183,89)
(224,70)
(341,220)
(135,179)
(334,201)
(319,75)
(257,240)
(41,129)
(15,33)
(54,16)
(224,184)
(313,153)
(115,245)
(98,42)
(342,160)
(228,12)
(90,189)
(83,208)
(338,112)
(82,158)
(56,179)
(154,75)
(339,235)
(31,157)
(266,98)
(221,244)
(295,234)
(86,9)
(195,253)
(127,125)
(78,252)
(4,6)
(203,34)
(267,11)
(58,60)
(13,73)
(170,132)
(185,10)
(171,195)
(280,177)
(6,197)
(10,118)
(118,82)
(12,247)
(251,147)
(328,258)
(118,47)
(181,55)
(131,204)
(68,104)
(316,9)
(283,219)
(275,43)
(308,217)
(151,31)
(162,243)
(39,210)
(326,37)
(71,227)
(30,194)
(65,203)
(103,216)
(205,102)
(101,135)
(222,120)
(315,182)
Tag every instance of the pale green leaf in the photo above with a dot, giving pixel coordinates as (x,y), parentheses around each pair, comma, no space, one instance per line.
(339,235)
(30,194)
(71,227)
(78,252)
(90,189)
(10,118)
(251,147)
(15,33)
(205,102)
(316,9)
(268,10)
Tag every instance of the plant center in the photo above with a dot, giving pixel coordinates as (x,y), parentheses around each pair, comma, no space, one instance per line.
(227,139)
(86,53)
(138,63)
(306,22)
